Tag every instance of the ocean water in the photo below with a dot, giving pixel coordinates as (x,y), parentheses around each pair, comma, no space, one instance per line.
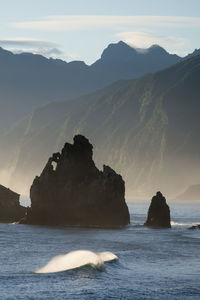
(152,263)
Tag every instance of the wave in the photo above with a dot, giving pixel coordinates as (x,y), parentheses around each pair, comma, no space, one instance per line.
(77,259)
(181,224)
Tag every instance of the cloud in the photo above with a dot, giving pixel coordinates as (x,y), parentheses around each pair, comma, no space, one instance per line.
(145,40)
(54,52)
(93,21)
(26,43)
(45,48)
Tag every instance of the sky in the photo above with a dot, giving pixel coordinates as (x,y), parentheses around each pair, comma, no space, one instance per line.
(82,29)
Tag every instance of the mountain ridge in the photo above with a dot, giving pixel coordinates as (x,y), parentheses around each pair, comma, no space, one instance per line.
(139,127)
(30,80)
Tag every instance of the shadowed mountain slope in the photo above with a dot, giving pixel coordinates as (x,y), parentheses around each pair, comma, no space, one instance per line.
(146,129)
(28,80)
(191,193)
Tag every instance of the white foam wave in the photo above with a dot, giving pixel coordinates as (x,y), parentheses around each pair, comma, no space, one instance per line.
(181,224)
(77,259)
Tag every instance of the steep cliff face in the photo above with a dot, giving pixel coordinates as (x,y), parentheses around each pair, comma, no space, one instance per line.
(28,80)
(158,213)
(146,129)
(192,193)
(10,209)
(72,191)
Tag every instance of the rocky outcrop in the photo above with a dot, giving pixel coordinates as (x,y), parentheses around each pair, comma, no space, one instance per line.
(10,208)
(193,227)
(158,213)
(72,191)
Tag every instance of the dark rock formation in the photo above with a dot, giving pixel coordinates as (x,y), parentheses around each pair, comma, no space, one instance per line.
(75,192)
(158,213)
(194,227)
(10,208)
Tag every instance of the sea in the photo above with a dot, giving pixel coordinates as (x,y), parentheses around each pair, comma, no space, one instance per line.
(148,263)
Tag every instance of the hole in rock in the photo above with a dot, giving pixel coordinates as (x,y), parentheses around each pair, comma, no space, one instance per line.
(54,165)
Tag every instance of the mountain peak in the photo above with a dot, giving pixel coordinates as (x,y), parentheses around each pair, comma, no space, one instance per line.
(5,52)
(194,53)
(116,51)
(121,50)
(157,48)
(121,43)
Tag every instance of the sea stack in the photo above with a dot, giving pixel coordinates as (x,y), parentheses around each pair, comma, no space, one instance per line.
(72,191)
(194,227)
(10,208)
(158,213)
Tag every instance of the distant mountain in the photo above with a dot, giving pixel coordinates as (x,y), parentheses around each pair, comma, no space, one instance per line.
(28,80)
(194,53)
(120,61)
(146,129)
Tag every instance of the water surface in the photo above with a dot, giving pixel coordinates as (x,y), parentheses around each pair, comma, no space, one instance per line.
(153,263)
